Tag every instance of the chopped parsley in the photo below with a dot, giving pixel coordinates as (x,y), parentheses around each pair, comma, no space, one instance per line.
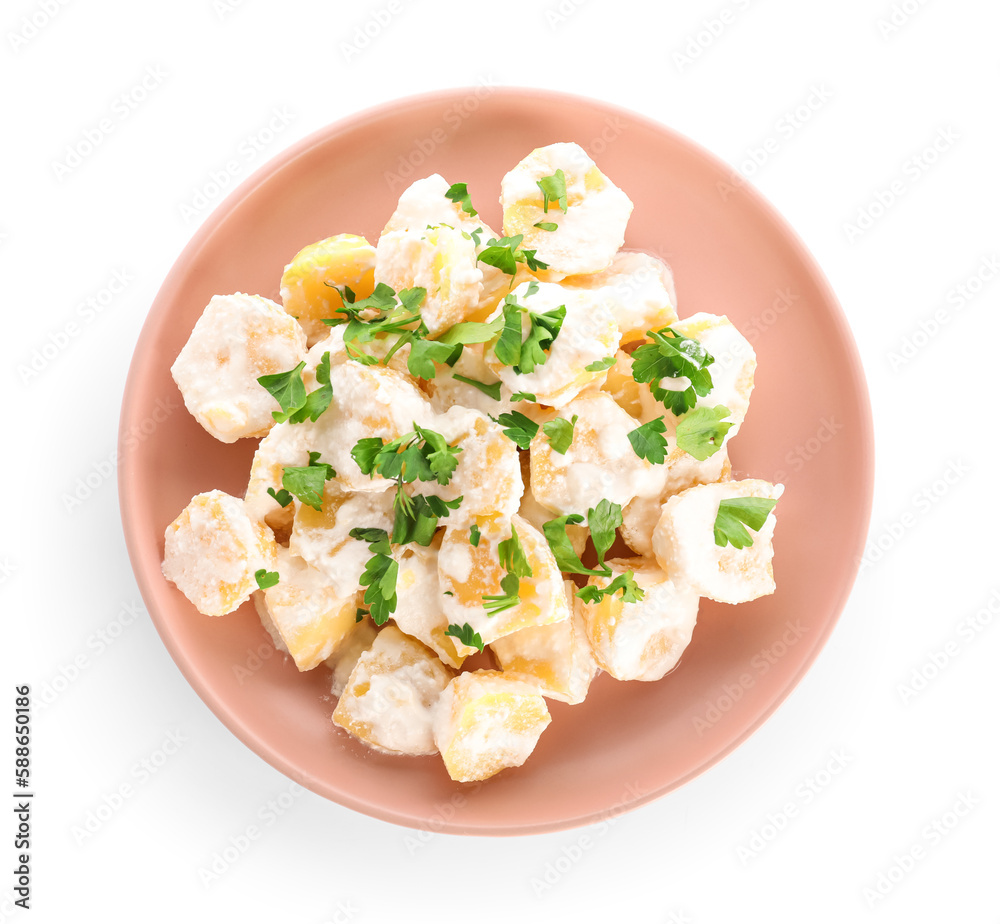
(543,329)
(466,635)
(459,194)
(265,578)
(380,574)
(420,455)
(737,513)
(648,441)
(673,357)
(288,389)
(700,432)
(517,427)
(560,433)
(474,535)
(553,190)
(306,482)
(490,390)
(601,364)
(547,225)
(506,252)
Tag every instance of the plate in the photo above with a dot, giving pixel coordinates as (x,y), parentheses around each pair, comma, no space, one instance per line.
(809,426)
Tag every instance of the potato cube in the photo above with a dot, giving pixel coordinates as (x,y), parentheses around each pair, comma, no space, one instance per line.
(469,573)
(310,283)
(343,659)
(645,639)
(685,544)
(213,550)
(237,339)
(557,655)
(487,721)
(308,614)
(391,694)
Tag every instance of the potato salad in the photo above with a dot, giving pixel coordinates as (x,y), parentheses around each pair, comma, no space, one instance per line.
(455,427)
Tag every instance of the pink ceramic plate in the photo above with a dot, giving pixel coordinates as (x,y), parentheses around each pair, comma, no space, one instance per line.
(809,426)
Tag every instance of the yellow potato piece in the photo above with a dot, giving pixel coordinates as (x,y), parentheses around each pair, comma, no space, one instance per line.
(645,639)
(389,700)
(310,282)
(487,721)
(557,655)
(213,550)
(308,614)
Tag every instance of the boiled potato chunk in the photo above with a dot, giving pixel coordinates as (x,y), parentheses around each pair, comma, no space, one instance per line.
(640,640)
(213,550)
(487,721)
(685,546)
(389,699)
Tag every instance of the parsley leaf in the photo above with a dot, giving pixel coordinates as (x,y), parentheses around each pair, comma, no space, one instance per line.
(420,455)
(281,496)
(700,432)
(542,331)
(522,430)
(474,535)
(466,635)
(737,511)
(523,396)
(560,433)
(497,603)
(472,331)
(553,190)
(673,357)
(266,578)
(603,520)
(601,364)
(506,253)
(566,557)
(306,482)
(512,555)
(319,400)
(288,389)
(547,225)
(424,353)
(648,442)
(491,391)
(416,518)
(626,583)
(379,576)
(459,194)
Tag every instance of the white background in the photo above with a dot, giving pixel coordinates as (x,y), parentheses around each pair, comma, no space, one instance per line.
(727,74)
